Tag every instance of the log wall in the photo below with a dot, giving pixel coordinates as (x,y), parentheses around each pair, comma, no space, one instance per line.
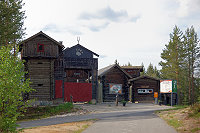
(41,75)
(145,84)
(115,76)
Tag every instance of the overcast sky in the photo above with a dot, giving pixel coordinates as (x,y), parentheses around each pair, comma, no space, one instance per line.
(132,31)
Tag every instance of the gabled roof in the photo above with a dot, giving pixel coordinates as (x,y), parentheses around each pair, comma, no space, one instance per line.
(133,67)
(42,33)
(78,45)
(144,76)
(103,71)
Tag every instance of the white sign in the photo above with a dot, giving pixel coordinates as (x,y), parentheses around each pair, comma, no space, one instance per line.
(165,86)
(145,90)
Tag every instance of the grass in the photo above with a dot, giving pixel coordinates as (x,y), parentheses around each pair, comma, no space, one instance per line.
(195,111)
(182,117)
(195,130)
(173,122)
(46,111)
(82,129)
(175,107)
(85,126)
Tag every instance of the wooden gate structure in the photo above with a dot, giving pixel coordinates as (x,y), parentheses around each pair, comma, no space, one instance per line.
(76,74)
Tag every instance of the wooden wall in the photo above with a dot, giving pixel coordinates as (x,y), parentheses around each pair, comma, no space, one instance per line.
(115,76)
(83,75)
(51,49)
(145,83)
(41,74)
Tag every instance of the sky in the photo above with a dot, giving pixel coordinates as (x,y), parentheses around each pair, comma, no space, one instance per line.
(132,31)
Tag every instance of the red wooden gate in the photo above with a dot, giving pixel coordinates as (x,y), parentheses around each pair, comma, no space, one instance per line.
(58,89)
(81,92)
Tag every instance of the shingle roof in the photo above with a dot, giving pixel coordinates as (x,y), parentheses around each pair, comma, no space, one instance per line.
(132,67)
(103,71)
(144,76)
(83,48)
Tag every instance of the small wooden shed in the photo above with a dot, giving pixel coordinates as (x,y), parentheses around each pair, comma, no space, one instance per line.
(113,79)
(143,88)
(40,51)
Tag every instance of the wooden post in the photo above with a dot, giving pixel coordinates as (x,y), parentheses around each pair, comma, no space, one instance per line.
(117,99)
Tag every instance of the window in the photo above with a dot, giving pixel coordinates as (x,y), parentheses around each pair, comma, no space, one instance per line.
(40,48)
(40,84)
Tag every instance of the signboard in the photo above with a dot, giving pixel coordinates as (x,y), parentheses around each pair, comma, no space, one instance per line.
(168,86)
(115,88)
(145,91)
(155,94)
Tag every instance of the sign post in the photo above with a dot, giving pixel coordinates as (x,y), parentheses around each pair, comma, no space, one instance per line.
(168,86)
(156,97)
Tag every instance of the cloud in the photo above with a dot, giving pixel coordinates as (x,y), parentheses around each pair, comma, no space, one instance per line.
(58,29)
(108,14)
(134,19)
(103,56)
(97,28)
(188,8)
(102,18)
(51,27)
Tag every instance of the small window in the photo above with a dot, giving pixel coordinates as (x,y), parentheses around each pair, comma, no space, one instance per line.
(40,48)
(40,63)
(40,84)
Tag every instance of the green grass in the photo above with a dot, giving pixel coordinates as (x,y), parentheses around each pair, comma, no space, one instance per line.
(175,107)
(195,111)
(42,112)
(175,123)
(195,129)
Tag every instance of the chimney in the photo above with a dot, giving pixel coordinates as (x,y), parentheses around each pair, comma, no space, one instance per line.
(60,42)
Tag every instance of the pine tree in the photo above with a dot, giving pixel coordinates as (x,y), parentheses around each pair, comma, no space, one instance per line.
(150,70)
(173,58)
(144,71)
(11,21)
(191,45)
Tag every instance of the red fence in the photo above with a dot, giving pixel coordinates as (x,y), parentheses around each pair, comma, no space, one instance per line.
(81,92)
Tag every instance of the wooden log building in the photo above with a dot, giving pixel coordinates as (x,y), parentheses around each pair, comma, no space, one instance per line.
(113,76)
(143,88)
(40,51)
(50,68)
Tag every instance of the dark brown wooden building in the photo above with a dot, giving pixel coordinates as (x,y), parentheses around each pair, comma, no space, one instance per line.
(40,51)
(143,88)
(113,79)
(58,73)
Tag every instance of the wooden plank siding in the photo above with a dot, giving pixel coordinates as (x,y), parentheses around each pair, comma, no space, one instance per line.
(29,49)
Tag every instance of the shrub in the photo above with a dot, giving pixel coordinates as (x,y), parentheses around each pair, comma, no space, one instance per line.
(12,86)
(195,110)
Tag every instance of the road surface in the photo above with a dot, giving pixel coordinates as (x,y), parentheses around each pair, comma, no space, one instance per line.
(134,118)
